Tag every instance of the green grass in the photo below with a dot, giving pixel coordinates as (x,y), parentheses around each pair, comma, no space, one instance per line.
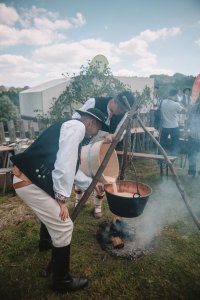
(171,271)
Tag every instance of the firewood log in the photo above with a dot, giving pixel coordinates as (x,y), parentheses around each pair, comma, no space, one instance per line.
(117,242)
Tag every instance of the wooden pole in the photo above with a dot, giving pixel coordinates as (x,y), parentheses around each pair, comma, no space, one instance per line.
(2,133)
(125,146)
(177,181)
(126,143)
(11,131)
(22,129)
(31,130)
(95,180)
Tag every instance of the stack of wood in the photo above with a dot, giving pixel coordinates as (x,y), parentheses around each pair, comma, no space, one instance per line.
(117,241)
(113,234)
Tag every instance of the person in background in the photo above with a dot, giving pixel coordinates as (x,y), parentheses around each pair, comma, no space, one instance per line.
(186,100)
(115,109)
(170,127)
(44,175)
(193,136)
(180,95)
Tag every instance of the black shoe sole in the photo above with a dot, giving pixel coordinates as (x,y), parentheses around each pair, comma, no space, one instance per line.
(69,288)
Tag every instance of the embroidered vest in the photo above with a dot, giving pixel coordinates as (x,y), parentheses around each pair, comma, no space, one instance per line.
(37,161)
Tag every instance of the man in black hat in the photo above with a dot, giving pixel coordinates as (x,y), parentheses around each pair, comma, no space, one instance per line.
(44,175)
(115,109)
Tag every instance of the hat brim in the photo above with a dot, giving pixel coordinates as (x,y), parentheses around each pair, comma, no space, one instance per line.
(87,113)
(189,89)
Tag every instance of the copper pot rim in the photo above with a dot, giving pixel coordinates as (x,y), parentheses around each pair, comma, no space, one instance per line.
(107,185)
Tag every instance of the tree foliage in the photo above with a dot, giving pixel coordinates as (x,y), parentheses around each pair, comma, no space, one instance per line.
(8,111)
(177,81)
(12,93)
(89,83)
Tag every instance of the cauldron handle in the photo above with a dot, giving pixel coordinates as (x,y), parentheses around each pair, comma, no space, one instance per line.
(136,179)
(136,195)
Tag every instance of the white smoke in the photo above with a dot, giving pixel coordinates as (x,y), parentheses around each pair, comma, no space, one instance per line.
(165,206)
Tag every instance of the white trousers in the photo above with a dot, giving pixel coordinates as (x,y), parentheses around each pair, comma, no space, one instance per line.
(47,210)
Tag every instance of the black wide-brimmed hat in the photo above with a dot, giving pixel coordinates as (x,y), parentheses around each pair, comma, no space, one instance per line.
(187,88)
(97,115)
(124,97)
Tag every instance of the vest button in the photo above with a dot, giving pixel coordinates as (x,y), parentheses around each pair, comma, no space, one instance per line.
(37,170)
(39,176)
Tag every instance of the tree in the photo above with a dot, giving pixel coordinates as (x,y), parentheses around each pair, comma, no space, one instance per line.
(8,111)
(91,82)
(177,81)
(12,93)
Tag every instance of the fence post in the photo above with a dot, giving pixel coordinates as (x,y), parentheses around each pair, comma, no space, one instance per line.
(11,131)
(22,132)
(31,130)
(2,133)
(41,126)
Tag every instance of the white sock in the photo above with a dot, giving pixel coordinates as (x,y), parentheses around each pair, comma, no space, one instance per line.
(97,202)
(79,195)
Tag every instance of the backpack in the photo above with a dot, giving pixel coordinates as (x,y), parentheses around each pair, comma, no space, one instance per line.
(158,117)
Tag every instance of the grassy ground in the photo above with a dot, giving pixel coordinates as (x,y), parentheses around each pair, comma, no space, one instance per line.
(171,271)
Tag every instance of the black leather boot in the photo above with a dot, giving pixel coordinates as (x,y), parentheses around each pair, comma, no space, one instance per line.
(63,282)
(45,242)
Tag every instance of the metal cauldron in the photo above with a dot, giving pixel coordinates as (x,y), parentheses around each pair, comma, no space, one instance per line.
(128,207)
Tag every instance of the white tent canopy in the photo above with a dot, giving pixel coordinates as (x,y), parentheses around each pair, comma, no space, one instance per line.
(41,97)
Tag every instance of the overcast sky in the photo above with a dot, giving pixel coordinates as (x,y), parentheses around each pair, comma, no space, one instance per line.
(40,40)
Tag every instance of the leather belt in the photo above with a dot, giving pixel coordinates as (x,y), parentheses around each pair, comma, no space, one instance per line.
(25,181)
(21,184)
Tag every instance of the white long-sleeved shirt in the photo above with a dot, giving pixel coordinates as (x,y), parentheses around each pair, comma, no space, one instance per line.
(169,110)
(71,134)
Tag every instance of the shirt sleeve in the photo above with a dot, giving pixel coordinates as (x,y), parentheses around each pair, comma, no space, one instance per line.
(71,134)
(90,103)
(82,180)
(179,107)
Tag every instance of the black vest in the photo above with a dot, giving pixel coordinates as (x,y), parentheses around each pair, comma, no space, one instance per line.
(37,161)
(101,103)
